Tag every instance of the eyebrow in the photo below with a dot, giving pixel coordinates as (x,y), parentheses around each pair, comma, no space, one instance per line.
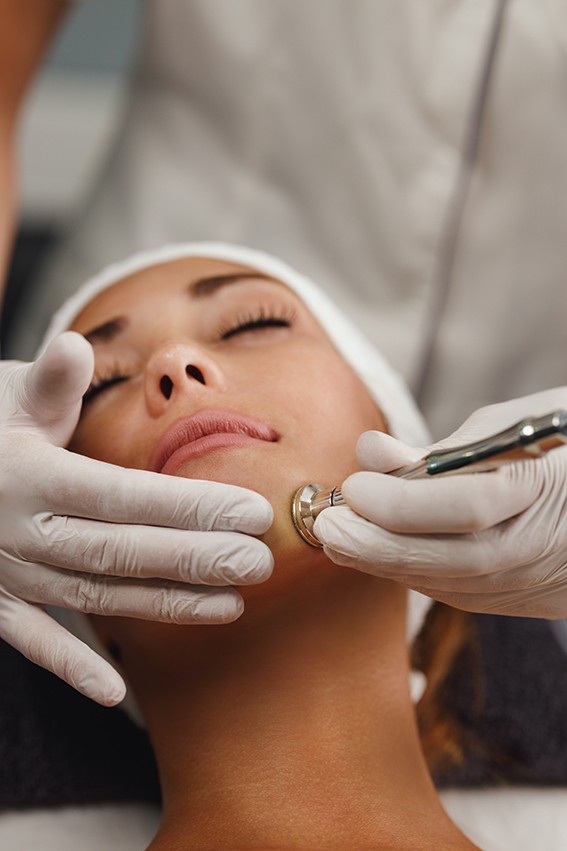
(200,288)
(108,331)
(210,284)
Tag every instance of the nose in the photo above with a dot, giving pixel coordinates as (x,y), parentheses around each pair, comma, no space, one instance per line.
(166,383)
(178,370)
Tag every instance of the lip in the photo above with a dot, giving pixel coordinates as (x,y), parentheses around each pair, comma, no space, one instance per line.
(204,432)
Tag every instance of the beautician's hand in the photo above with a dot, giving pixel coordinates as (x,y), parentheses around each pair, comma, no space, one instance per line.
(93,537)
(488,542)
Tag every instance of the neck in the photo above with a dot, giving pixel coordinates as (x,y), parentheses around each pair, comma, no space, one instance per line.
(293,727)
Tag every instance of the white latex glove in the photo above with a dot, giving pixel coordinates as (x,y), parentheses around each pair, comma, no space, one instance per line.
(487,542)
(93,537)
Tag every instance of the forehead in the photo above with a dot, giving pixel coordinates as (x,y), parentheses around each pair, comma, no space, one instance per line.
(199,276)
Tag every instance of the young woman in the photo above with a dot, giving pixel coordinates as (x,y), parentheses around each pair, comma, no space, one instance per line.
(292,727)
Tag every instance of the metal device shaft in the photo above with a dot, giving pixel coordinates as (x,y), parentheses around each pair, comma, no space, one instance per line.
(528,438)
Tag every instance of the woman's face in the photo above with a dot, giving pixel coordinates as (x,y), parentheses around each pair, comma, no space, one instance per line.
(210,370)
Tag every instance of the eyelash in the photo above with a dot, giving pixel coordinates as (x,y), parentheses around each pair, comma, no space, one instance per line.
(262,318)
(101,383)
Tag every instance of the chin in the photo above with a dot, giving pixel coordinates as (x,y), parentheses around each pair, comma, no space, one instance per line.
(273,475)
(294,560)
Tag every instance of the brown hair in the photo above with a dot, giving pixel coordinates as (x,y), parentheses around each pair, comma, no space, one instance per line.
(447,644)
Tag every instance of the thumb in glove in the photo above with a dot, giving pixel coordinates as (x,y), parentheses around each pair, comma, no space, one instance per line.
(47,394)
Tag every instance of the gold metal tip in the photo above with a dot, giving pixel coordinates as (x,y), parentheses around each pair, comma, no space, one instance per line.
(303,519)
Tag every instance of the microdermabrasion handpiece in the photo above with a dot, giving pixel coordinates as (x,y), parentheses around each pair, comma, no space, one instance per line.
(529,438)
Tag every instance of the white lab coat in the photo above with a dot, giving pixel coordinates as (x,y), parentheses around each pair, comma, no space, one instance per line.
(330,132)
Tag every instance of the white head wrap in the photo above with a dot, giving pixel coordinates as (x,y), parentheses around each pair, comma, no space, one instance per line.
(384,385)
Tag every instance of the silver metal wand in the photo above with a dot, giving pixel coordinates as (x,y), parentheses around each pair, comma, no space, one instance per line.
(530,438)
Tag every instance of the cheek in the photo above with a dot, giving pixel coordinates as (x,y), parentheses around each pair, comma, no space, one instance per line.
(328,407)
(112,434)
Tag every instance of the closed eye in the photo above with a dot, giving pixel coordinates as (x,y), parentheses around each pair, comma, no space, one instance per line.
(98,386)
(257,322)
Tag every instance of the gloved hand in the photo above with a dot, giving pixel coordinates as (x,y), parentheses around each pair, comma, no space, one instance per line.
(489,542)
(93,537)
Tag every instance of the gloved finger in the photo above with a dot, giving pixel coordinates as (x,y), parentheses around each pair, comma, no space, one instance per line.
(69,484)
(493,418)
(42,640)
(497,597)
(149,599)
(201,558)
(456,504)
(351,541)
(382,453)
(535,602)
(487,580)
(487,584)
(54,385)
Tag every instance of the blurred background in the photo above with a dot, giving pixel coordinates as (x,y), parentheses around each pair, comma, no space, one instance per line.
(68,124)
